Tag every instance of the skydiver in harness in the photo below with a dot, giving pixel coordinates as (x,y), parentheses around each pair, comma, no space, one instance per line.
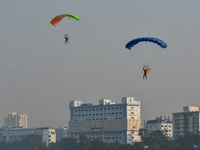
(66,38)
(146,70)
(66,35)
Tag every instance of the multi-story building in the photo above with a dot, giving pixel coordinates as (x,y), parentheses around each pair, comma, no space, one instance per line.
(15,120)
(186,122)
(107,121)
(61,133)
(160,123)
(48,135)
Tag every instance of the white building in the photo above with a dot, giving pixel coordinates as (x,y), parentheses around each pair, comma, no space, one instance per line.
(107,121)
(48,135)
(61,133)
(186,122)
(160,123)
(15,120)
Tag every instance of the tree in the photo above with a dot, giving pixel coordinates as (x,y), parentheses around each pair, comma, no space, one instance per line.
(84,143)
(64,144)
(156,140)
(138,146)
(97,144)
(31,142)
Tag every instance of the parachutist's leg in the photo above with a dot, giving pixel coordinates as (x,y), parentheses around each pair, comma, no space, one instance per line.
(145,75)
(66,40)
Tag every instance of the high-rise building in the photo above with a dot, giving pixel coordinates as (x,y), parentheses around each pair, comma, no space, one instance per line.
(15,120)
(47,134)
(186,122)
(160,123)
(107,121)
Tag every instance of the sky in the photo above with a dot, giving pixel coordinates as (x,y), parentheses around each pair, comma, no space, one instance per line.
(40,75)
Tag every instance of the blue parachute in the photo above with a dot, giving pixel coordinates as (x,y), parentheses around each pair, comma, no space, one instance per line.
(146,39)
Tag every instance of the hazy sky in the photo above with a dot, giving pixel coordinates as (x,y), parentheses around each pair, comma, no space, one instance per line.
(40,75)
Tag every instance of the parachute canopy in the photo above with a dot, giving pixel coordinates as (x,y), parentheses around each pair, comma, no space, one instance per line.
(58,18)
(146,39)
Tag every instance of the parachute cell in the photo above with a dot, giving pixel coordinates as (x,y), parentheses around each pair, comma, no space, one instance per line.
(157,41)
(74,16)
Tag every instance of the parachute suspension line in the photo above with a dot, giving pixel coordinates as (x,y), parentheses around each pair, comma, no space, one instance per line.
(147,52)
(71,23)
(156,55)
(153,52)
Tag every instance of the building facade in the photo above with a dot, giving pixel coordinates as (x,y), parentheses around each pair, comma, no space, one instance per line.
(15,120)
(107,121)
(61,133)
(160,123)
(48,135)
(186,122)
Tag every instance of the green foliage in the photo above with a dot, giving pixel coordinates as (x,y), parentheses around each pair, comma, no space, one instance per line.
(84,143)
(138,146)
(113,146)
(156,140)
(31,142)
(64,144)
(153,141)
(97,144)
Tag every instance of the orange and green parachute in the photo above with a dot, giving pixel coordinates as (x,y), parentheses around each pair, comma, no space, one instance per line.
(58,18)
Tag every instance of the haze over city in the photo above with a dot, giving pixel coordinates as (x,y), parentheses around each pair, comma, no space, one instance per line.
(40,75)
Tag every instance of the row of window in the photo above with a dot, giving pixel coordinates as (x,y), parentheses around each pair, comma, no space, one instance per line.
(97,114)
(100,133)
(98,118)
(194,124)
(98,109)
(151,126)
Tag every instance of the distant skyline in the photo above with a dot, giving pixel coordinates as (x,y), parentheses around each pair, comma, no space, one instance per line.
(142,123)
(15,120)
(40,75)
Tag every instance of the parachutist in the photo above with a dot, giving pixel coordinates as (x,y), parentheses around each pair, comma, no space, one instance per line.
(66,38)
(146,70)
